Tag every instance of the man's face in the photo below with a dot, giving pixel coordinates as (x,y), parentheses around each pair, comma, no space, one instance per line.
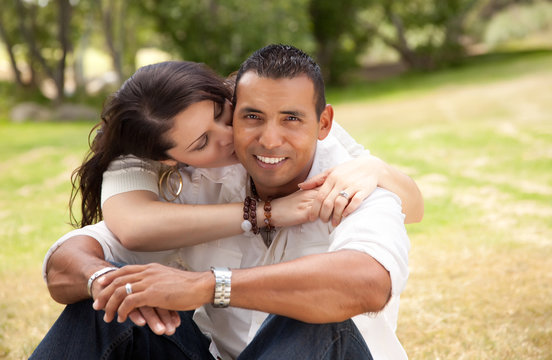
(276,129)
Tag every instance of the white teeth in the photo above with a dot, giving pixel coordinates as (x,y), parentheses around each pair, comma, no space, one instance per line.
(270,160)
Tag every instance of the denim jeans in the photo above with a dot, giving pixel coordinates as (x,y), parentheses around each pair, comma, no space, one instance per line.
(80,333)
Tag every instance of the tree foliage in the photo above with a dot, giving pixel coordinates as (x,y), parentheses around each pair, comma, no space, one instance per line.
(223,33)
(45,47)
(338,35)
(426,34)
(44,38)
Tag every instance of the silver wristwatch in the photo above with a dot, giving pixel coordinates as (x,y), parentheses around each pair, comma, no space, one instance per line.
(223,285)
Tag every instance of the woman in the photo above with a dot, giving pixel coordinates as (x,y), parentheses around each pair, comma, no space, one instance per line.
(170,126)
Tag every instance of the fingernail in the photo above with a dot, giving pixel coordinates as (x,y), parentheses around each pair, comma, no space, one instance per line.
(95,305)
(160,328)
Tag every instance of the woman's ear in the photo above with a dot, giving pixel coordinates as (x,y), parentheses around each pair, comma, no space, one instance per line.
(169,162)
(325,123)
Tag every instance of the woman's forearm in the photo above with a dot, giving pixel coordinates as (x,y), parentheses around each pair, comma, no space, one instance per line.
(406,189)
(143,223)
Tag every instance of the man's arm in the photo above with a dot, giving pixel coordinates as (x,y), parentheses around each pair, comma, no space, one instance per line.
(318,288)
(367,262)
(71,265)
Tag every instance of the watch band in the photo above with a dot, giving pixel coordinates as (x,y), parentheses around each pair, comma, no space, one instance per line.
(96,275)
(223,285)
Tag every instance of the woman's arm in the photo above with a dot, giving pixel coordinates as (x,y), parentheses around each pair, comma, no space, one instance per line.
(359,177)
(133,212)
(143,223)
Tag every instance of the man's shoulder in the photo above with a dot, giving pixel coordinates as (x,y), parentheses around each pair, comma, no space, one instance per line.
(329,153)
(381,195)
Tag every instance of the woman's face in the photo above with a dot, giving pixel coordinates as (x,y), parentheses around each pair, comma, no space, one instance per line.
(203,136)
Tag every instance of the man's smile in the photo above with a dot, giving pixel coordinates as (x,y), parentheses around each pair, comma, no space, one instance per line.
(269,160)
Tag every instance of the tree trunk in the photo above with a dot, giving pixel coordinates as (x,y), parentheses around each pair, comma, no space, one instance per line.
(80,50)
(107,15)
(31,41)
(64,9)
(408,56)
(9,49)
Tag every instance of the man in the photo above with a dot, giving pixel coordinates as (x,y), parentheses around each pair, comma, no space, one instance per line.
(304,275)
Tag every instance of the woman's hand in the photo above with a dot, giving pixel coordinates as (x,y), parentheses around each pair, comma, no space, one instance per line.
(153,285)
(291,210)
(357,178)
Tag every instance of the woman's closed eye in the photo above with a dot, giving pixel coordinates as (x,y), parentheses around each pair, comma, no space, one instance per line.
(202,143)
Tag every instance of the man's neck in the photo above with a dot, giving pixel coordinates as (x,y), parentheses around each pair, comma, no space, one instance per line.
(265,193)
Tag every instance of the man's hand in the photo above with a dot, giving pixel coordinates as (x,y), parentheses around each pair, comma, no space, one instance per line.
(153,285)
(160,321)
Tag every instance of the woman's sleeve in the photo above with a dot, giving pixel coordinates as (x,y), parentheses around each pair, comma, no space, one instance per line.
(129,173)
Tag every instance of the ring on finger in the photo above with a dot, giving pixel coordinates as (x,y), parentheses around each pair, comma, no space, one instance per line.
(344,194)
(128,288)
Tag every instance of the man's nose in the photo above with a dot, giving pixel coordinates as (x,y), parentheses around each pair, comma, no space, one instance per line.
(270,136)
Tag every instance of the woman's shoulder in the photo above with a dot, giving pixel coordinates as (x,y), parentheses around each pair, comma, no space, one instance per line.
(129,163)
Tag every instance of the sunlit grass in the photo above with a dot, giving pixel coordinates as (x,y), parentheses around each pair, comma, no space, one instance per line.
(480,285)
(35,165)
(477,139)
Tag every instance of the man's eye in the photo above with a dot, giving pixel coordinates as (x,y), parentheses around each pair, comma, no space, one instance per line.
(292,118)
(251,116)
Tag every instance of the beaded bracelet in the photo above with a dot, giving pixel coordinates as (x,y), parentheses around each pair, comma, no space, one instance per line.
(268,215)
(250,215)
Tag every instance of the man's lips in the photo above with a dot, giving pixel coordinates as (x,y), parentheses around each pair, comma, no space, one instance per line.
(270,160)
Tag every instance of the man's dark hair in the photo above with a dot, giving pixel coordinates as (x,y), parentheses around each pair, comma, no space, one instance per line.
(279,61)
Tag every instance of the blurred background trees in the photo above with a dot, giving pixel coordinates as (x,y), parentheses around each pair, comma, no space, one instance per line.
(63,48)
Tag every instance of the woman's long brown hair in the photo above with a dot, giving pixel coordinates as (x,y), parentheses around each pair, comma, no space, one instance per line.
(136,119)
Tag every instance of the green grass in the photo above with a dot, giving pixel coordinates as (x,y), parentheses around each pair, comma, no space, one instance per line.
(35,165)
(477,139)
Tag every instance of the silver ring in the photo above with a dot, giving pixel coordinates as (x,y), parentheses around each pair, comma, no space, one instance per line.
(128,288)
(344,194)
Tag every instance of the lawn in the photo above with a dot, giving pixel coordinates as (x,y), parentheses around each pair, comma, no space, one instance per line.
(477,139)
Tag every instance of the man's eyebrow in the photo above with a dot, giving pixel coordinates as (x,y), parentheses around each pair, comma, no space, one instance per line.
(293,113)
(248,109)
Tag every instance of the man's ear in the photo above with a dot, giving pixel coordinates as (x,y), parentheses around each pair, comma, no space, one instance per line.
(325,123)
